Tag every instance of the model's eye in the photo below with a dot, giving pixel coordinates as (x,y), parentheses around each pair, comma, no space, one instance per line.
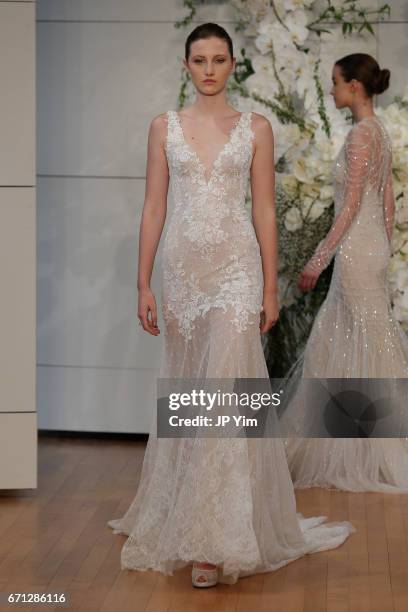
(221,60)
(198,61)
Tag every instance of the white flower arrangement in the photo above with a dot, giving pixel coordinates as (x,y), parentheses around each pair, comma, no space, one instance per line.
(286,50)
(284,74)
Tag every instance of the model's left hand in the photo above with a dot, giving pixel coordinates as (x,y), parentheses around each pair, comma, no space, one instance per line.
(269,313)
(308,278)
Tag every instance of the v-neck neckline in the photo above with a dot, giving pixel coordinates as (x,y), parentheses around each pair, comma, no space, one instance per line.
(203,167)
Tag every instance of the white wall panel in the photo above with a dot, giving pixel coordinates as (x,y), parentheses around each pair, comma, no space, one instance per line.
(17,99)
(98,90)
(399,10)
(393,54)
(18,305)
(88,233)
(18,450)
(96,399)
(18,417)
(127,10)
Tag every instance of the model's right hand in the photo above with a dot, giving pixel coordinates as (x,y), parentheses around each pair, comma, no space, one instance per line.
(308,278)
(146,306)
(269,313)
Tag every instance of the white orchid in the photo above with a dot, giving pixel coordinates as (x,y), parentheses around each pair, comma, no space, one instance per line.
(293,219)
(271,34)
(301,171)
(296,23)
(263,81)
(304,75)
(399,289)
(289,184)
(317,209)
(293,5)
(310,191)
(327,192)
(279,30)
(284,6)
(287,63)
(325,147)
(286,137)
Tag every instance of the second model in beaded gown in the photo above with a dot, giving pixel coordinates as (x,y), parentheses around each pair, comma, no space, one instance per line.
(354,334)
(230,501)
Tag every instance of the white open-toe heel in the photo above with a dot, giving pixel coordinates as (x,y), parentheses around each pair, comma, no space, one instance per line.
(204,577)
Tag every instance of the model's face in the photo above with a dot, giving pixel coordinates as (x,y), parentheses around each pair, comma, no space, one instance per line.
(210,65)
(341,91)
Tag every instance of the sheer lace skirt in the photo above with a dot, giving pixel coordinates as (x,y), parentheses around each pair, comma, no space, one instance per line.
(224,501)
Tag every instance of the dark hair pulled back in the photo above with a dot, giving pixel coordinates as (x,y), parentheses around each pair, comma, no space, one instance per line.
(365,68)
(206,30)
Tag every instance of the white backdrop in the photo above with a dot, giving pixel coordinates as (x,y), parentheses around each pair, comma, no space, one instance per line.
(105,68)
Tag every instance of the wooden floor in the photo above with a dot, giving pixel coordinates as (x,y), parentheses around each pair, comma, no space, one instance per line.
(56,539)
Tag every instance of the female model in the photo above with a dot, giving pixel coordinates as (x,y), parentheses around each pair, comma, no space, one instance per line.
(227,504)
(354,334)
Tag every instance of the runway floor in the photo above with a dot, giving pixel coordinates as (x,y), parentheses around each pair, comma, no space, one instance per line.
(55,539)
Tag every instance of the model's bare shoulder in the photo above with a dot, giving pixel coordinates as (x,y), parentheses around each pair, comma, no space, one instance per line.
(262,128)
(159,122)
(158,128)
(260,123)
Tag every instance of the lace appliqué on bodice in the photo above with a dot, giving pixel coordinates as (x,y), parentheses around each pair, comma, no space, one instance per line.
(211,256)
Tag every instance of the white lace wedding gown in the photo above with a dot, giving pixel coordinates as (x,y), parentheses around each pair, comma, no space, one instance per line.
(224,501)
(354,334)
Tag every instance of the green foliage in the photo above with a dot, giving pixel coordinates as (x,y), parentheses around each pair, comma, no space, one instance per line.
(320,96)
(285,341)
(185,79)
(191,5)
(296,247)
(243,68)
(401,103)
(352,16)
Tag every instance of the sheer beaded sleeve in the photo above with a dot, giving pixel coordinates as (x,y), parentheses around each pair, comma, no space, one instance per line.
(389,204)
(358,151)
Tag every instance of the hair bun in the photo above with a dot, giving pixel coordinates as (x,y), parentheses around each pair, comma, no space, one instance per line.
(383,81)
(364,68)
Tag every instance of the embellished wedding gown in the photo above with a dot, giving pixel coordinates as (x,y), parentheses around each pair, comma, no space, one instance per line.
(354,334)
(226,501)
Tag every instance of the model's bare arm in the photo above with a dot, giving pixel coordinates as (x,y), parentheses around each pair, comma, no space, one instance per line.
(264,216)
(152,221)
